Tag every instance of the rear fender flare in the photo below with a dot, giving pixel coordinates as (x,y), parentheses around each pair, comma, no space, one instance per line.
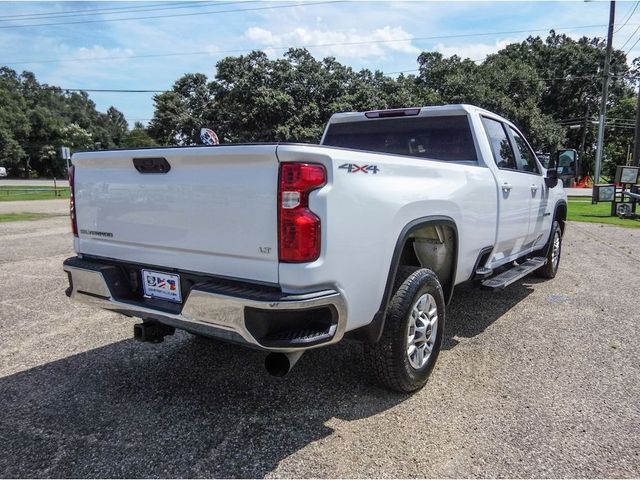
(371,332)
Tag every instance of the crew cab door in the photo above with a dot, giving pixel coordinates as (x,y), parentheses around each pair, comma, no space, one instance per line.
(514,194)
(539,216)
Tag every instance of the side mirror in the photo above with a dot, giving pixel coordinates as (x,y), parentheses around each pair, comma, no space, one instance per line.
(551,180)
(567,163)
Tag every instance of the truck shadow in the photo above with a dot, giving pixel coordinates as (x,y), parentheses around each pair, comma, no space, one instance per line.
(472,309)
(185,408)
(194,408)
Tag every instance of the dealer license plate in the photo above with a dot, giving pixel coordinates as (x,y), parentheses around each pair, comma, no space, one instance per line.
(161,285)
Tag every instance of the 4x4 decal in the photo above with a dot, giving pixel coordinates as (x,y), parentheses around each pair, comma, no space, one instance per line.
(353,168)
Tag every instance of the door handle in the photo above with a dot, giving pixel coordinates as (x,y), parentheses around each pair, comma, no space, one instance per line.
(534,188)
(506,187)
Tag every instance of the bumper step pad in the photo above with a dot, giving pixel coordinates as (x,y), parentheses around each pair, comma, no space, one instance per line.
(301,337)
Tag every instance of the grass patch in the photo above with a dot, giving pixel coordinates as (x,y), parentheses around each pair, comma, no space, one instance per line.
(21,217)
(31,187)
(13,193)
(581,210)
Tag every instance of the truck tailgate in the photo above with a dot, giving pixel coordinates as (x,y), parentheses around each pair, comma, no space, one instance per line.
(214,211)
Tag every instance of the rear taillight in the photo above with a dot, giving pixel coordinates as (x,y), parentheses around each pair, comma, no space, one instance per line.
(299,229)
(72,203)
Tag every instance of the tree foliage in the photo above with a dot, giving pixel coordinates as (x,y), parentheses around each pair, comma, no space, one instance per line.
(543,85)
(138,137)
(540,84)
(37,119)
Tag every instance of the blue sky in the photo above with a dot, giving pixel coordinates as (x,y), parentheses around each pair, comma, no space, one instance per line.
(389,36)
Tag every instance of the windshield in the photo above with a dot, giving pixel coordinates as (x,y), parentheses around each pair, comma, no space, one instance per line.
(439,138)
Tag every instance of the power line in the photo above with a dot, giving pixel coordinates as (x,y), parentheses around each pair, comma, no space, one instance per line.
(128,90)
(403,71)
(628,17)
(632,46)
(148,17)
(580,121)
(613,125)
(103,90)
(139,10)
(241,50)
(90,10)
(417,69)
(567,78)
(630,37)
(105,11)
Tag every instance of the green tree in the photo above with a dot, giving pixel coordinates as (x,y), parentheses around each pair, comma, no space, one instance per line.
(14,124)
(116,126)
(540,84)
(619,137)
(570,71)
(251,101)
(182,112)
(138,137)
(37,119)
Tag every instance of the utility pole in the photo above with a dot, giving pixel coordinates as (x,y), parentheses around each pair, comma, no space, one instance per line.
(583,142)
(605,91)
(636,137)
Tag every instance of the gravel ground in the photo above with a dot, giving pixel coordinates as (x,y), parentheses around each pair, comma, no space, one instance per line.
(540,380)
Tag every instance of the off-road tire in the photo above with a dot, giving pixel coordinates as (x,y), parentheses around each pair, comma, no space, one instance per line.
(388,358)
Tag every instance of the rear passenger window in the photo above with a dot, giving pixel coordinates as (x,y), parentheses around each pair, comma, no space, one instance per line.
(502,151)
(525,159)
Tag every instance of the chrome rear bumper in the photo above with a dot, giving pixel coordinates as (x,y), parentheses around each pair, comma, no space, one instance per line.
(211,308)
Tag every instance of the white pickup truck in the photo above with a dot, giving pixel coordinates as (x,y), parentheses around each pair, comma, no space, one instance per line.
(287,247)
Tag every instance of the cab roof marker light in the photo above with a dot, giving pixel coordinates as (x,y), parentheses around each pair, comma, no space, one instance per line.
(398,112)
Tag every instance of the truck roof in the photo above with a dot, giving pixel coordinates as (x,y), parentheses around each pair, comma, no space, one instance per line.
(452,109)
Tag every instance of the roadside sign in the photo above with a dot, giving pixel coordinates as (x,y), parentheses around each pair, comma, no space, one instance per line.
(604,193)
(626,174)
(616,193)
(65,153)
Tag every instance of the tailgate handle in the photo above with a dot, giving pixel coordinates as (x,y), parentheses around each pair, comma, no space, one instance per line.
(151,165)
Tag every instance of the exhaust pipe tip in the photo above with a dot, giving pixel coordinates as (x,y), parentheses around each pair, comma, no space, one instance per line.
(279,364)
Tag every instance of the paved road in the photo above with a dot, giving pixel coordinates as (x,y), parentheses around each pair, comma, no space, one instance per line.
(578,192)
(572,192)
(541,380)
(33,183)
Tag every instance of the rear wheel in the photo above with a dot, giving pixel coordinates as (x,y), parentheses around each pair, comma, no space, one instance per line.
(550,269)
(410,343)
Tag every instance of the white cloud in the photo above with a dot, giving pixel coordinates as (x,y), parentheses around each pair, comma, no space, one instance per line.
(344,44)
(305,23)
(261,35)
(98,52)
(474,51)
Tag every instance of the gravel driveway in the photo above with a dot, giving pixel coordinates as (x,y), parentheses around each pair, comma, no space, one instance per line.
(540,380)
